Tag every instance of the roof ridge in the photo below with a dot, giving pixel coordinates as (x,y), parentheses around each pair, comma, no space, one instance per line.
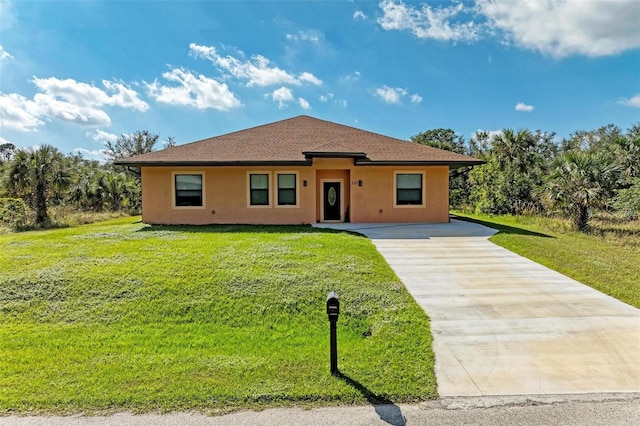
(330,143)
(289,139)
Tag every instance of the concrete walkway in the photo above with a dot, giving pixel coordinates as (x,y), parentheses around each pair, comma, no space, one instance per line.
(504,325)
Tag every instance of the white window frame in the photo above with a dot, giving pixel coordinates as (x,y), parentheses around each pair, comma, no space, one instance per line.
(395,189)
(173,190)
(276,193)
(269,190)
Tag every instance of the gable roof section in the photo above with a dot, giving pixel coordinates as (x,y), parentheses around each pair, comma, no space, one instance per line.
(296,141)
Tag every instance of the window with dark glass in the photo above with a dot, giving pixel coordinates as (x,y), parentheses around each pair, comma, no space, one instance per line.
(188,190)
(259,189)
(287,189)
(409,189)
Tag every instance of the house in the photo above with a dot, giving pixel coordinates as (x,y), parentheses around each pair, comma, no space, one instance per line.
(299,170)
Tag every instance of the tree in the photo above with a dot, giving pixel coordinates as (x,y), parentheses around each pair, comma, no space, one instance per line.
(625,150)
(170,142)
(6,150)
(447,139)
(140,142)
(628,200)
(37,176)
(516,166)
(443,139)
(578,182)
(591,140)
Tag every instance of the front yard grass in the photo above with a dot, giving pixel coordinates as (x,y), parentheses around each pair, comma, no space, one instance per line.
(607,259)
(120,315)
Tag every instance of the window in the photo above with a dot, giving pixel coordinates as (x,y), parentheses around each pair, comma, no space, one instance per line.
(287,189)
(259,189)
(188,190)
(408,189)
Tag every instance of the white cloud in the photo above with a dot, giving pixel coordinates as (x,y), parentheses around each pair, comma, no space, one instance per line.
(355,76)
(304,103)
(553,27)
(4,54)
(102,136)
(193,90)
(86,95)
(3,141)
(416,99)
(19,113)
(310,35)
(310,78)
(390,95)
(257,71)
(358,14)
(562,28)
(94,154)
(330,96)
(282,96)
(7,16)
(634,101)
(521,106)
(50,107)
(428,22)
(66,100)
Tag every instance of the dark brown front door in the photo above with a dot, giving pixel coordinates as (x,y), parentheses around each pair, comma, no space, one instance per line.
(331,196)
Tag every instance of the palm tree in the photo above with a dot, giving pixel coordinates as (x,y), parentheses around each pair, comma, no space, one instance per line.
(515,149)
(579,182)
(37,175)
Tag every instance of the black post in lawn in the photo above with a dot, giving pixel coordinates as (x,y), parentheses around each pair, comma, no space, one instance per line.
(333,309)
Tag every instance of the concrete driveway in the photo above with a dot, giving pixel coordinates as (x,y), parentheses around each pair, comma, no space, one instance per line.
(504,325)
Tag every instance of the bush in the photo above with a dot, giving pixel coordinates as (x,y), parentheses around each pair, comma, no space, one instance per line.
(14,212)
(628,200)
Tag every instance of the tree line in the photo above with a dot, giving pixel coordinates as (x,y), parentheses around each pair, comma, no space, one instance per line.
(33,180)
(525,172)
(532,172)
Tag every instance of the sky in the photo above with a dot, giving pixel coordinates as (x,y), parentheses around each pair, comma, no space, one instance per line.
(77,74)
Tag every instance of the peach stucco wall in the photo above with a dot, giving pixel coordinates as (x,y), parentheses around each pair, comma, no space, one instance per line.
(226,195)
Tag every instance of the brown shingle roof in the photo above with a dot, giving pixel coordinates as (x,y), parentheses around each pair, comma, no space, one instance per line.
(296,141)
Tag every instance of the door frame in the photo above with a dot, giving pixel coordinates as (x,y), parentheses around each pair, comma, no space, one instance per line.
(341,182)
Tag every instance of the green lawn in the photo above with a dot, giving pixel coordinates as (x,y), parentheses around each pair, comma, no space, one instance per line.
(119,315)
(607,259)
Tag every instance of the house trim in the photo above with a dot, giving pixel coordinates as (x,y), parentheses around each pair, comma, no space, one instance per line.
(275,189)
(269,190)
(395,189)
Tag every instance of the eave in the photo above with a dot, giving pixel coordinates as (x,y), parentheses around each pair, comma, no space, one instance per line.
(212,163)
(453,164)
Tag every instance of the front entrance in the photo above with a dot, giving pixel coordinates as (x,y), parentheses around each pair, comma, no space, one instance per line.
(331,201)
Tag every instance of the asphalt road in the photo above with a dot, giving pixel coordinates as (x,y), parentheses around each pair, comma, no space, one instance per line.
(582,410)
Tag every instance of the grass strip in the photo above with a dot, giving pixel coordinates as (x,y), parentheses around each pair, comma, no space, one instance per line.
(119,315)
(607,258)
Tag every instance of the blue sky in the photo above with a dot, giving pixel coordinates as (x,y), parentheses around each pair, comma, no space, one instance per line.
(74,74)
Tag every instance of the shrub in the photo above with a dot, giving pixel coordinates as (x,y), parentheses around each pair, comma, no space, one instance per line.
(628,200)
(14,212)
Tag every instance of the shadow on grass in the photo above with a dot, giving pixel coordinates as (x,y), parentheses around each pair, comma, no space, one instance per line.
(385,408)
(260,229)
(504,229)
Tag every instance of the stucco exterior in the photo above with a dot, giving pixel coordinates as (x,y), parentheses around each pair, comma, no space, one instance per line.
(367,192)
(299,170)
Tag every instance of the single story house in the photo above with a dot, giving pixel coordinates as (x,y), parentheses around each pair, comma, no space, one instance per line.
(296,171)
